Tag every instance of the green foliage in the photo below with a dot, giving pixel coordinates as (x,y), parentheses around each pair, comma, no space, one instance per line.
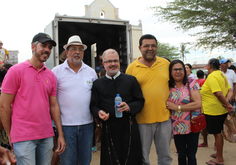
(216,18)
(183,50)
(219,58)
(231,60)
(167,51)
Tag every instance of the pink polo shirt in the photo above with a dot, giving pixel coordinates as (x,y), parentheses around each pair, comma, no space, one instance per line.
(31,118)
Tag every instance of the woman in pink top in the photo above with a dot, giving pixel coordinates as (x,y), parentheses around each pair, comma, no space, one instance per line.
(180,105)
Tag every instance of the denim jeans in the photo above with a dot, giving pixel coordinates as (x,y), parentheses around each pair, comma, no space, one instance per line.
(34,152)
(161,132)
(187,146)
(79,140)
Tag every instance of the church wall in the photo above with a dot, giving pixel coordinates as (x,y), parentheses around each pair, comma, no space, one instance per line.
(103,5)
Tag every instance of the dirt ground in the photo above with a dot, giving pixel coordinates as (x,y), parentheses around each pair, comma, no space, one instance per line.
(203,153)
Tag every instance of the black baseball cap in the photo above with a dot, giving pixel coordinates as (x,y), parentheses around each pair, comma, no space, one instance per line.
(43,37)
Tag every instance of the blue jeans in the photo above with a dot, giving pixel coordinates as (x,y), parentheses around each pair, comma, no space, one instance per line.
(79,140)
(34,152)
(161,132)
(187,146)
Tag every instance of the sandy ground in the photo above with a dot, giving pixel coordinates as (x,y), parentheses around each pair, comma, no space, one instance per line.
(203,153)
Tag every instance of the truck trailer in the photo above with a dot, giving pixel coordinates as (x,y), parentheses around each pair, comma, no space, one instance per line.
(97,33)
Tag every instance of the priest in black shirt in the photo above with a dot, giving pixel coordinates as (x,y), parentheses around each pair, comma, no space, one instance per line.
(120,142)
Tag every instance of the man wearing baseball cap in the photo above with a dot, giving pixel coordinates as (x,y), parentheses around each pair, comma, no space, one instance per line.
(74,82)
(31,89)
(231,77)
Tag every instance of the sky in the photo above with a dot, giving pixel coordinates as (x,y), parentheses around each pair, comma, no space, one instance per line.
(21,20)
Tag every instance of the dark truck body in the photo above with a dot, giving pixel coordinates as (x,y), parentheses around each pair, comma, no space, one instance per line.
(104,33)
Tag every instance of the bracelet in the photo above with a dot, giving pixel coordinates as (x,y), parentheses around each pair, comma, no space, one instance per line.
(179,108)
(99,125)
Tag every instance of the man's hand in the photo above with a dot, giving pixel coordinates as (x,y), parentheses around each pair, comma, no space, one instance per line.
(123,106)
(61,145)
(6,157)
(103,115)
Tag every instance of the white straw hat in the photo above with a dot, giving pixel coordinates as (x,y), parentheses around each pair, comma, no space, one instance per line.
(74,40)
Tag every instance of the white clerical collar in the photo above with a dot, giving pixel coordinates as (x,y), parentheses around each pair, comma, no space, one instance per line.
(113,77)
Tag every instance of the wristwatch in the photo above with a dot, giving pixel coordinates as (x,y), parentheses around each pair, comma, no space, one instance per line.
(179,108)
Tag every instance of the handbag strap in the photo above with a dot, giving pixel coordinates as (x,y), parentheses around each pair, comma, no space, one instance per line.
(190,100)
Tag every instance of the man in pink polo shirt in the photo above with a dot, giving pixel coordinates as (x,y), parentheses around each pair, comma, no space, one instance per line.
(31,90)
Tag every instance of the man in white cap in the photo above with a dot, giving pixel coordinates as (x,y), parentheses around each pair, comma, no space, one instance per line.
(3,54)
(230,74)
(75,80)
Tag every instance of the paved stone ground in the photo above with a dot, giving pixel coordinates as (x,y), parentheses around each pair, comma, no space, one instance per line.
(203,153)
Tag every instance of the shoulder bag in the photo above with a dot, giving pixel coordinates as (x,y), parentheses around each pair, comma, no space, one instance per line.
(198,123)
(229,129)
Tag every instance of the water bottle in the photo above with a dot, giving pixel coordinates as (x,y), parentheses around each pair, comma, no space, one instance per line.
(118,100)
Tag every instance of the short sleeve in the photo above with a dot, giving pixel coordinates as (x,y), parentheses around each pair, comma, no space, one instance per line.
(6,52)
(234,78)
(10,82)
(213,84)
(193,85)
(54,85)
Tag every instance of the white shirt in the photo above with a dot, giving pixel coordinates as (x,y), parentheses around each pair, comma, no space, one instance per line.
(114,77)
(231,77)
(74,93)
(192,76)
(2,54)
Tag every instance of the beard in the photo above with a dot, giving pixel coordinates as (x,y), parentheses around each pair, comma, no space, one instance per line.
(113,71)
(43,56)
(74,60)
(149,57)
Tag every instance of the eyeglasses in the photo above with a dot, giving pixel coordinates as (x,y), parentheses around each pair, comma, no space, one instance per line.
(175,70)
(110,61)
(75,49)
(147,46)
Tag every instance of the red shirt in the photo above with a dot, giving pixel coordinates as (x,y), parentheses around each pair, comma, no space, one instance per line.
(200,82)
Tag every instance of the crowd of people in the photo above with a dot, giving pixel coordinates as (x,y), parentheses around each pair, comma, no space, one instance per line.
(159,99)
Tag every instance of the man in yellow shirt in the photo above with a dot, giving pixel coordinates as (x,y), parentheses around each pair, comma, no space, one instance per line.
(3,54)
(152,73)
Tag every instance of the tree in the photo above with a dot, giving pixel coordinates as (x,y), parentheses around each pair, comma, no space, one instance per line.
(167,51)
(183,50)
(231,60)
(217,18)
(219,58)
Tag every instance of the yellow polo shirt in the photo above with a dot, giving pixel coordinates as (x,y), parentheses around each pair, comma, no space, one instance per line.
(216,81)
(154,84)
